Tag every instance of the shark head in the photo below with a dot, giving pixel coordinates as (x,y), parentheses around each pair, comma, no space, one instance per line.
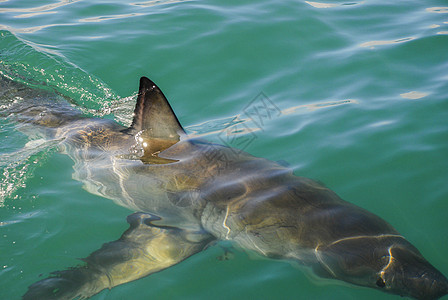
(387,262)
(409,274)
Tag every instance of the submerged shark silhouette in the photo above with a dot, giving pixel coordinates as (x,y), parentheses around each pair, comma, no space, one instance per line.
(186,199)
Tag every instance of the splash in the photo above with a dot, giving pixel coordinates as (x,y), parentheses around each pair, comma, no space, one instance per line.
(40,66)
(17,167)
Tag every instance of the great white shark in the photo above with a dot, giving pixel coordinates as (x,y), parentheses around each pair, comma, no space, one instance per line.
(188,193)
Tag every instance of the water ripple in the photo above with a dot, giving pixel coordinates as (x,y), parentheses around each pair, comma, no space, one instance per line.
(39,9)
(331,5)
(156,2)
(372,44)
(438,10)
(111,17)
(414,95)
(30,29)
(311,58)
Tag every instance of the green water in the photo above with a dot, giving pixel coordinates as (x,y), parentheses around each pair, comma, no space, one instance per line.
(363,94)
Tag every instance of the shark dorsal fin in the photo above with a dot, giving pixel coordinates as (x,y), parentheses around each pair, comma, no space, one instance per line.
(155,125)
(153,114)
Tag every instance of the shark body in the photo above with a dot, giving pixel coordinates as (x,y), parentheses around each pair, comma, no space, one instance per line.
(188,193)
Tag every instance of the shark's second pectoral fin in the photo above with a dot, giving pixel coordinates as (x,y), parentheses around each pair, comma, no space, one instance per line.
(143,249)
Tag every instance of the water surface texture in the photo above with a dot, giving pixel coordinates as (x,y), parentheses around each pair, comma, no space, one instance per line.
(360,95)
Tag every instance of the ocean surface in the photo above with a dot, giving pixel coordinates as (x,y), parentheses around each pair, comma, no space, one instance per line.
(360,95)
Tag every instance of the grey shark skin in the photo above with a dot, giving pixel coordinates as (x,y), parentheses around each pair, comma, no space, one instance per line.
(189,193)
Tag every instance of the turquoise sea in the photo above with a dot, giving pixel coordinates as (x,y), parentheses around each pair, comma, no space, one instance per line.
(361,89)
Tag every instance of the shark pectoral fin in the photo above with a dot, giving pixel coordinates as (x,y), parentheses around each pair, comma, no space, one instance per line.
(143,249)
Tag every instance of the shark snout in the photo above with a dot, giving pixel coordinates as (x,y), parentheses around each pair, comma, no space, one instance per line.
(411,275)
(429,286)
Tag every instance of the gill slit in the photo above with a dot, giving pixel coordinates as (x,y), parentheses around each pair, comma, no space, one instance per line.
(366,237)
(319,258)
(391,259)
(224,224)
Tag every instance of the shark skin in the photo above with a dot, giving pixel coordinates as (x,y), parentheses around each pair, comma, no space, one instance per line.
(188,193)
